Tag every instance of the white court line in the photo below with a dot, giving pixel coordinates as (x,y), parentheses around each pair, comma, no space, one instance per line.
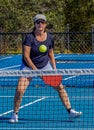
(6,58)
(10,67)
(30,96)
(47,128)
(72,97)
(28,104)
(57,57)
(70,77)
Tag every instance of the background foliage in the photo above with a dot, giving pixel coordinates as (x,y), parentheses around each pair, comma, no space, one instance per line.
(17,15)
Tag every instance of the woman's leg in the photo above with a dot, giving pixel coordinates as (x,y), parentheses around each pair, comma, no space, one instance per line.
(22,85)
(65,100)
(64,96)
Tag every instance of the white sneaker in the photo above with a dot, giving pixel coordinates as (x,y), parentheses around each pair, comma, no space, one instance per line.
(14,118)
(74,114)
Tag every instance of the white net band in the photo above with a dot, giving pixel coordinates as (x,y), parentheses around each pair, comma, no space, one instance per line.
(29,73)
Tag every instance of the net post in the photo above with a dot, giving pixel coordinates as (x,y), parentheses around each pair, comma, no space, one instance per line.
(68,37)
(92,38)
(1,39)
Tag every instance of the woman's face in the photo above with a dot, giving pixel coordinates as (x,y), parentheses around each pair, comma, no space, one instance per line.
(40,25)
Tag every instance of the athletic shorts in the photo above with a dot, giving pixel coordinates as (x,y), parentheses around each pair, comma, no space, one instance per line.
(47,67)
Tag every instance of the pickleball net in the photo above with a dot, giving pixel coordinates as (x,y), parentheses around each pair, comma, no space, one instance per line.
(41,107)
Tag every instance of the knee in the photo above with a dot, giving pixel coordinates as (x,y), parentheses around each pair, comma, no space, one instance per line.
(60,88)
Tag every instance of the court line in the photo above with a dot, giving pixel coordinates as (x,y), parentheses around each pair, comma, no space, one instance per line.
(48,128)
(31,96)
(6,58)
(28,104)
(73,97)
(10,67)
(65,61)
(70,77)
(57,56)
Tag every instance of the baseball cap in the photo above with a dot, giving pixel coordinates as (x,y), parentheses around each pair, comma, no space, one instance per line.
(39,16)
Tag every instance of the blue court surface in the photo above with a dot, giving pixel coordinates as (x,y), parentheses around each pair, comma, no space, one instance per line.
(41,108)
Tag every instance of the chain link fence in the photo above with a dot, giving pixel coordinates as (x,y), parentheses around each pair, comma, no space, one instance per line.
(71,42)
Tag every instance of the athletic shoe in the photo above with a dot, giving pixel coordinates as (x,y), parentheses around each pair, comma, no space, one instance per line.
(74,114)
(14,118)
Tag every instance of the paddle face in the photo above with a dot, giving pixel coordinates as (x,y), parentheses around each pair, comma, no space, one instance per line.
(52,80)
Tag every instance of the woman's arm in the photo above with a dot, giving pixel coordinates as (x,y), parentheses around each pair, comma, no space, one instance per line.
(52,59)
(26,53)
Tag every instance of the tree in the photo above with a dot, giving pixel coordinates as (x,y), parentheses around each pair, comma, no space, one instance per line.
(17,15)
(79,14)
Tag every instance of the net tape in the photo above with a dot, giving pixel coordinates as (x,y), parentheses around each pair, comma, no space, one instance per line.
(29,73)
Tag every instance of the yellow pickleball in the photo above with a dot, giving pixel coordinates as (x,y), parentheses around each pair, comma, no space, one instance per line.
(43,48)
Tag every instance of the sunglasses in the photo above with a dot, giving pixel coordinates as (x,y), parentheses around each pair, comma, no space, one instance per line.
(40,21)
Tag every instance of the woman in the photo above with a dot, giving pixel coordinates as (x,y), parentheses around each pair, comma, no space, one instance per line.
(33,59)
